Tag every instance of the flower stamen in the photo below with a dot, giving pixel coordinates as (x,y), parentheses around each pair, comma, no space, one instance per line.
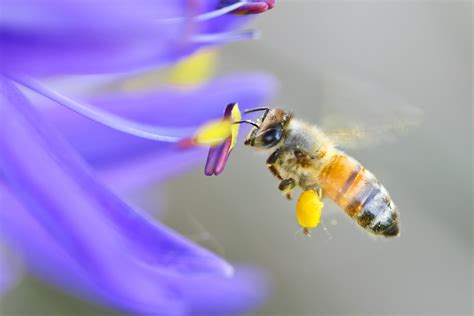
(210,134)
(222,10)
(164,134)
(218,155)
(225,37)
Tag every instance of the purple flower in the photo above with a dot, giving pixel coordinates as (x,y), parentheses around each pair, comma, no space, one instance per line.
(60,172)
(93,36)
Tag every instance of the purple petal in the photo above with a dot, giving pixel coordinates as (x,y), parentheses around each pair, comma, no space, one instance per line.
(77,233)
(46,37)
(56,264)
(197,294)
(249,288)
(149,168)
(50,36)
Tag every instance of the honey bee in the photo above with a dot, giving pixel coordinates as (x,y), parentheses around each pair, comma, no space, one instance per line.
(304,156)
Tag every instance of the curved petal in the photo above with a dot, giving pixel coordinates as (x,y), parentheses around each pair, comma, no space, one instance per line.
(51,36)
(46,37)
(246,290)
(137,172)
(74,231)
(106,148)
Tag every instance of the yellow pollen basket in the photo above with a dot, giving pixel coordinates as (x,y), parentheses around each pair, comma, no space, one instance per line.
(308,210)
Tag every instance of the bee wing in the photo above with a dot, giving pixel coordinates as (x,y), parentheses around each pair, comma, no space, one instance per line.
(360,135)
(357,113)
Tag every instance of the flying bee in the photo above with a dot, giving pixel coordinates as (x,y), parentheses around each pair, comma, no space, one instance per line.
(302,155)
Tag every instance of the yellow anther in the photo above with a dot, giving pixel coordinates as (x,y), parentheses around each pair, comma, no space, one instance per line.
(214,133)
(235,116)
(308,210)
(190,72)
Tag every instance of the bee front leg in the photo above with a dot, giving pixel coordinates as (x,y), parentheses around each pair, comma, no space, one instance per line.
(271,161)
(286,186)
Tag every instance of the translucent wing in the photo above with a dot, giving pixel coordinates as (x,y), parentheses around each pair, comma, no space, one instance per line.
(360,135)
(358,113)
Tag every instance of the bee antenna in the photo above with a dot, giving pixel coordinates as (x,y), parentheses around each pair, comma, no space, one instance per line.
(264,109)
(256,110)
(248,122)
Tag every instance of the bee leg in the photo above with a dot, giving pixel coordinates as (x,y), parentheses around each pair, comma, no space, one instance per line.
(286,186)
(271,164)
(320,192)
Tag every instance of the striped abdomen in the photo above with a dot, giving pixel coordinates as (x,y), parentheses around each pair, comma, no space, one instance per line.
(358,192)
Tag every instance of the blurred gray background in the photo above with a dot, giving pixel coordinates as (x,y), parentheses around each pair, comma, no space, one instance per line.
(418,51)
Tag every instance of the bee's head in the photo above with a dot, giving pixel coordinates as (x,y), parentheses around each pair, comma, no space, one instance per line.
(271,129)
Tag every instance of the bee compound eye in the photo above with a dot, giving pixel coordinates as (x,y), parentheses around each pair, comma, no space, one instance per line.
(271,136)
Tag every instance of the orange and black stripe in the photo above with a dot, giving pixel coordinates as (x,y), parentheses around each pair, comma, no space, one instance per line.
(362,197)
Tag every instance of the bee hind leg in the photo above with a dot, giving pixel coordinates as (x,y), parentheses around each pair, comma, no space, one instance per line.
(286,186)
